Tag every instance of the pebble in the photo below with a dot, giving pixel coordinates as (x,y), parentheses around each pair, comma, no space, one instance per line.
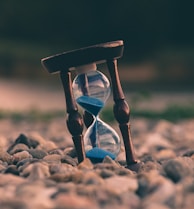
(69,160)
(38,171)
(47,146)
(12,169)
(20,156)
(5,157)
(178,168)
(22,164)
(54,158)
(18,148)
(115,182)
(36,153)
(23,139)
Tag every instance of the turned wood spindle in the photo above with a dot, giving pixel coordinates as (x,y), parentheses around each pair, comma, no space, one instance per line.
(74,119)
(121,111)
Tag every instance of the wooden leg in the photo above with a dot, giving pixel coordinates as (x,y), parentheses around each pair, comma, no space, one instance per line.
(74,120)
(121,112)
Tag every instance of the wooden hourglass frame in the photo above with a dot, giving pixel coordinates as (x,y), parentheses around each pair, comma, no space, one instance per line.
(64,63)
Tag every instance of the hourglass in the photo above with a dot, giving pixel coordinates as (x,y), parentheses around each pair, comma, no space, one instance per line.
(90,90)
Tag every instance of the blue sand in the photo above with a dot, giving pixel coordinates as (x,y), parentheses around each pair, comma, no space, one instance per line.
(96,155)
(91,104)
(93,136)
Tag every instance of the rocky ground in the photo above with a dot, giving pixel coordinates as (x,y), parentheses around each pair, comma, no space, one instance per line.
(39,170)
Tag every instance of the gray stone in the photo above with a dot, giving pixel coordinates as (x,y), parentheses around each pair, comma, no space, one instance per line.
(22,164)
(36,153)
(22,139)
(69,160)
(178,168)
(12,169)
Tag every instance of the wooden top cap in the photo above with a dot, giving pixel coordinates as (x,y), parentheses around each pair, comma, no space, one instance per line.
(83,56)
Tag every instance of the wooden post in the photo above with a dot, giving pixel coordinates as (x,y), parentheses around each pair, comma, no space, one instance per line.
(121,111)
(74,120)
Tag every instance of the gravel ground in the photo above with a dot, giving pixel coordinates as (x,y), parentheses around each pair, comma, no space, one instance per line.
(38,168)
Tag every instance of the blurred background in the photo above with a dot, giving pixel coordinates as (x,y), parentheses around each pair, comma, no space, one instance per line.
(158,37)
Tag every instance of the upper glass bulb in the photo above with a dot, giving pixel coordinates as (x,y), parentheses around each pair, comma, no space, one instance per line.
(91,88)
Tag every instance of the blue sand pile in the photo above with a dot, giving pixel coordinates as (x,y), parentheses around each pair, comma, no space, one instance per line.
(96,155)
(90,104)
